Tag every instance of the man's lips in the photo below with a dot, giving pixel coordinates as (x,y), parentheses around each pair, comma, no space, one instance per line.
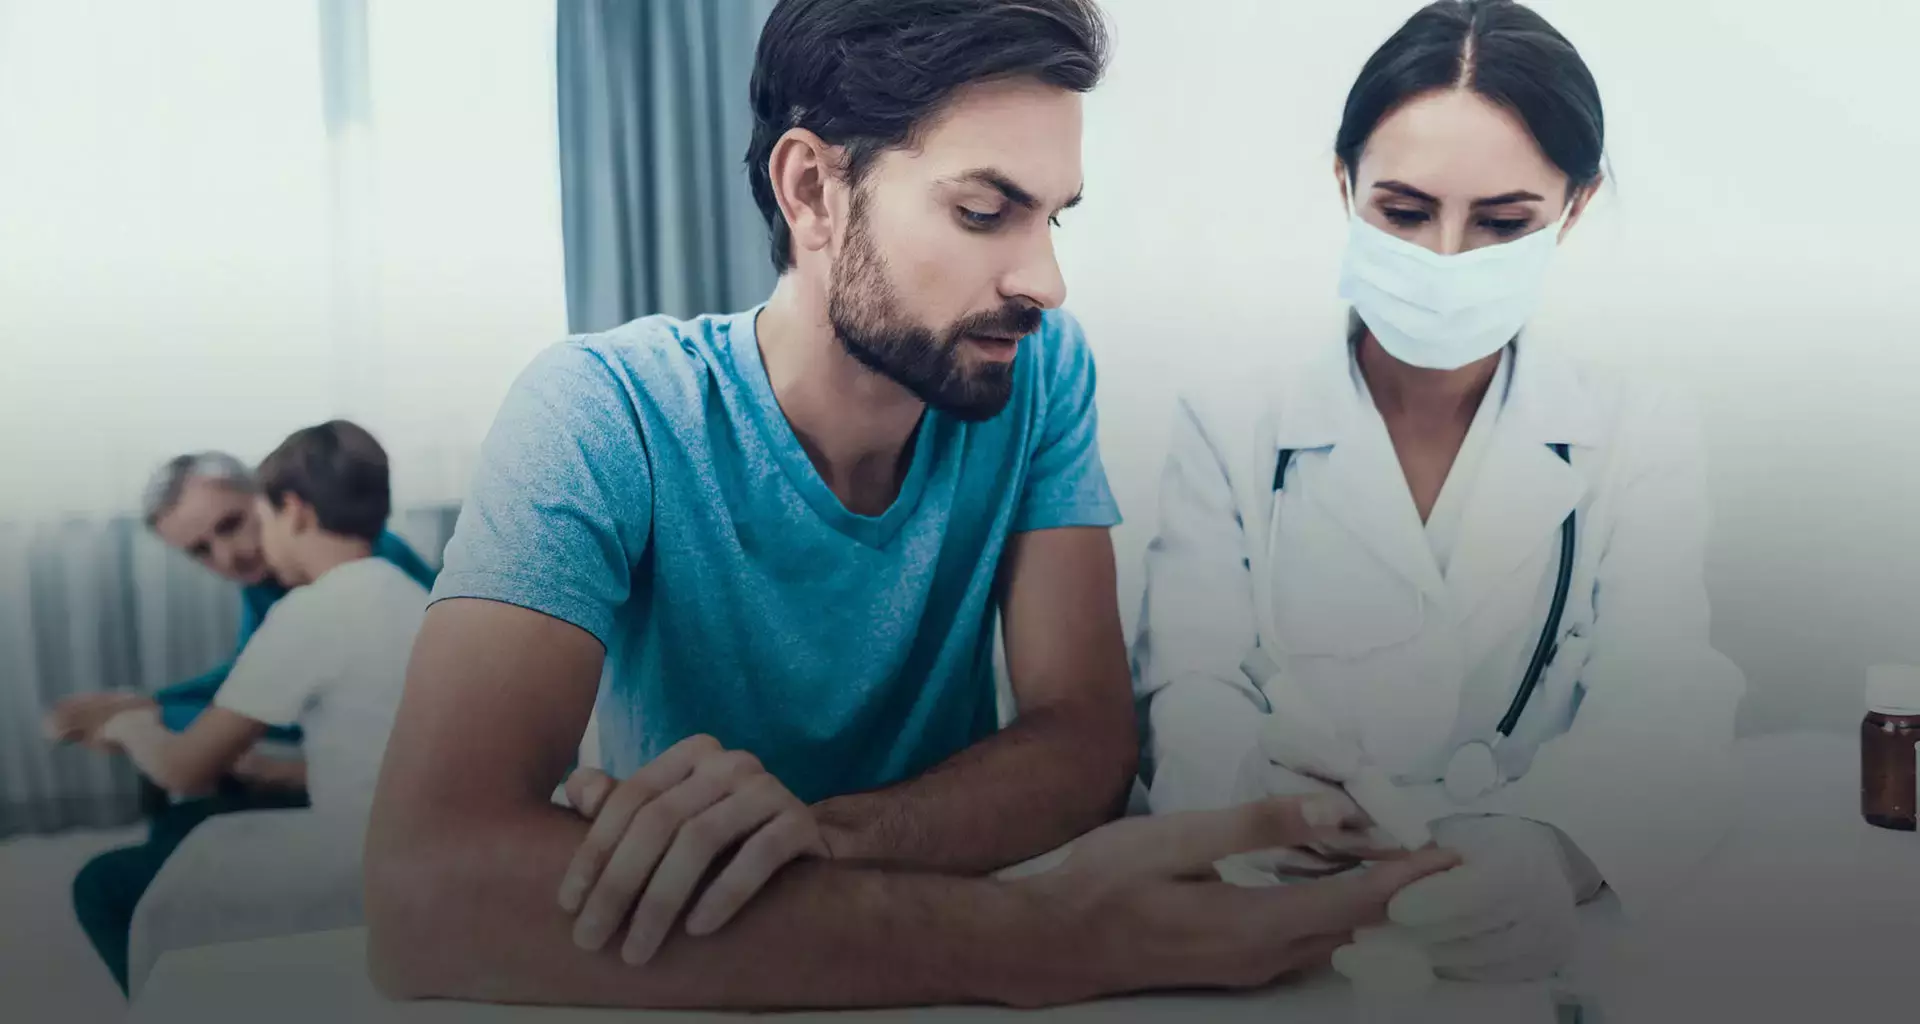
(996,346)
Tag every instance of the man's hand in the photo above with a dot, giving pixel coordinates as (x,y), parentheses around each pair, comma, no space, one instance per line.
(78,719)
(1146,891)
(660,832)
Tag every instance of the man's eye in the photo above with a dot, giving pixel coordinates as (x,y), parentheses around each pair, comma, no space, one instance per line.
(976,220)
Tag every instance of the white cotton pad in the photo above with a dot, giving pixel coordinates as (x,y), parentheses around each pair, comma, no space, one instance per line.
(1390,808)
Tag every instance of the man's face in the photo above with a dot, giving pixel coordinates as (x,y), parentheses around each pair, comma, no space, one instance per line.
(216,526)
(947,257)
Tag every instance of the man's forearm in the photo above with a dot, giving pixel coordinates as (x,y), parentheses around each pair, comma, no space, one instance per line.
(1048,777)
(471,913)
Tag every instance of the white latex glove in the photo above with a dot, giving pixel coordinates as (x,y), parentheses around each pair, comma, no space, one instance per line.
(1505,914)
(1299,744)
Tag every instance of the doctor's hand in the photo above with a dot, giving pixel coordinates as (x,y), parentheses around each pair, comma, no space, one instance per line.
(1145,903)
(663,831)
(1315,768)
(1506,913)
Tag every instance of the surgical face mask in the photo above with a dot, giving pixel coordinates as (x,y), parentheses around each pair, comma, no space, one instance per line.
(1443,312)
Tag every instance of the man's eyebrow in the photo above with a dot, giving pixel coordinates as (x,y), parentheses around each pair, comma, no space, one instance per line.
(1005,186)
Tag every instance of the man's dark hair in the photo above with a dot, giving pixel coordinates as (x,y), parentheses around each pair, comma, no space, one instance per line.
(340,470)
(867,74)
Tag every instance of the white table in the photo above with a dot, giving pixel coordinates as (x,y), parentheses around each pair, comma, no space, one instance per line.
(1805,913)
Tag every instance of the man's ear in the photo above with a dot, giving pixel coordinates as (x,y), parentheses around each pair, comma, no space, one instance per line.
(300,516)
(804,172)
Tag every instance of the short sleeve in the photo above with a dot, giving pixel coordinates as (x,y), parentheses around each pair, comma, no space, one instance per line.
(292,655)
(562,499)
(1066,483)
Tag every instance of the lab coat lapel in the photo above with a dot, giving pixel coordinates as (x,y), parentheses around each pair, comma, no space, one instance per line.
(1360,484)
(1524,490)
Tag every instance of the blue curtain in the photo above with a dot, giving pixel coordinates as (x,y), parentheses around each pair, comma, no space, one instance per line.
(654,125)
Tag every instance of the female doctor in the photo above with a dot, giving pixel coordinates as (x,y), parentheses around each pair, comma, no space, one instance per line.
(1446,553)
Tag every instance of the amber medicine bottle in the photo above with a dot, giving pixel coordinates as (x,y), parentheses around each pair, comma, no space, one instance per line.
(1890,746)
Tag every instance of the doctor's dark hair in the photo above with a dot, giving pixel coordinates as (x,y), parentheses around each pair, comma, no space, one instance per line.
(1503,52)
(339,469)
(866,75)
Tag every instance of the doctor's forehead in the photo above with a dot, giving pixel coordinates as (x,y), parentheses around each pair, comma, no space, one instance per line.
(1458,146)
(1025,131)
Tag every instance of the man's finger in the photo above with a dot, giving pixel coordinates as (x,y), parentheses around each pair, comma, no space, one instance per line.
(616,812)
(637,854)
(1357,899)
(786,838)
(586,789)
(1189,843)
(1313,952)
(695,848)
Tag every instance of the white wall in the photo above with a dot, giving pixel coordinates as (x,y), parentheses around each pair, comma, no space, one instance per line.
(1755,246)
(189,258)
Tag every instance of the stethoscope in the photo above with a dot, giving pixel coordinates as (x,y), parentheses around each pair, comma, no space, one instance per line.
(1472,771)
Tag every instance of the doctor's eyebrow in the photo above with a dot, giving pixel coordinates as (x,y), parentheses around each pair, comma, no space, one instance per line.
(1005,186)
(1404,189)
(1508,197)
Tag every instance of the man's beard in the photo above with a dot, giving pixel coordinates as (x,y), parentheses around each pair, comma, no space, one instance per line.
(865,312)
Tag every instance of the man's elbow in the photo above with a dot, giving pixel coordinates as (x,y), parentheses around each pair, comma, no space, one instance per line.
(1114,733)
(408,909)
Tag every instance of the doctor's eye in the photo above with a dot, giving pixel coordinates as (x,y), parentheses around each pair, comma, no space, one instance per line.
(1506,227)
(974,220)
(1405,218)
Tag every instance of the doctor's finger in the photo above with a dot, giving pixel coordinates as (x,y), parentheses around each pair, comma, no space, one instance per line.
(1497,914)
(1466,891)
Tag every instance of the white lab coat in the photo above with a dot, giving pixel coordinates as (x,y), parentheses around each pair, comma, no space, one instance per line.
(1625,744)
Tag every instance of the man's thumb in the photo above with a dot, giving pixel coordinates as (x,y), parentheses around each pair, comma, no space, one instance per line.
(587,789)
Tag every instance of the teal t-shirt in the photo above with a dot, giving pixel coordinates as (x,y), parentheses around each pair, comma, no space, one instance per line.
(643,485)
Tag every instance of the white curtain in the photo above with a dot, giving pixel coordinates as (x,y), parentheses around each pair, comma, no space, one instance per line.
(222,220)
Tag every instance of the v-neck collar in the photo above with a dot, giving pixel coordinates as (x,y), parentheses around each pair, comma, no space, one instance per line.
(743,344)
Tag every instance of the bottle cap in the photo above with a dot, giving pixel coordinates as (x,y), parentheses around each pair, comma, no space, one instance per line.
(1894,689)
